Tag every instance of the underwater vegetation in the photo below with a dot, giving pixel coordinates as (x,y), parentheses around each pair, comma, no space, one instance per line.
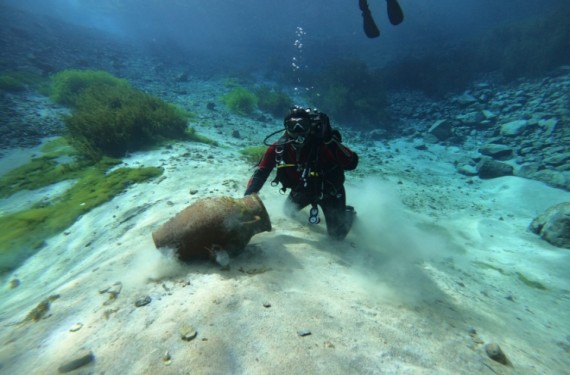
(24,232)
(68,86)
(111,118)
(521,277)
(253,154)
(244,102)
(20,80)
(42,171)
(350,92)
(274,101)
(241,101)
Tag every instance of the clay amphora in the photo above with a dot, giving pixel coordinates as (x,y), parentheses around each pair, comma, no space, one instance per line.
(211,224)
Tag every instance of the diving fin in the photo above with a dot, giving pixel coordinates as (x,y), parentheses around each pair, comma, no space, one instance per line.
(395,13)
(370,28)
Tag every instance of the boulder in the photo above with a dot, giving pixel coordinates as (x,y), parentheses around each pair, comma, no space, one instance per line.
(441,129)
(472,118)
(497,151)
(514,127)
(553,225)
(465,99)
(488,168)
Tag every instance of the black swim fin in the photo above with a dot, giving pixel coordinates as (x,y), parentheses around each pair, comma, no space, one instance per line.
(395,13)
(370,28)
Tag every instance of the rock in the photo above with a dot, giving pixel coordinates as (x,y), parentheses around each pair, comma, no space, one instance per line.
(76,327)
(551,177)
(467,170)
(488,168)
(188,333)
(441,129)
(421,146)
(495,352)
(497,151)
(167,358)
(488,115)
(471,118)
(14,283)
(81,360)
(548,125)
(476,339)
(465,99)
(557,159)
(553,225)
(142,301)
(303,332)
(514,127)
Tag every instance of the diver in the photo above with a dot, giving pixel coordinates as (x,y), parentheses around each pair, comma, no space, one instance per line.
(310,159)
(395,15)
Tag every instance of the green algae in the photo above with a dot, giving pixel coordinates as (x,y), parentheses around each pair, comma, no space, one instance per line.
(109,117)
(241,101)
(530,283)
(253,153)
(526,281)
(57,146)
(41,310)
(14,81)
(490,267)
(24,232)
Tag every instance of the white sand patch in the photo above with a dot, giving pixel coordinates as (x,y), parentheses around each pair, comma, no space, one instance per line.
(432,255)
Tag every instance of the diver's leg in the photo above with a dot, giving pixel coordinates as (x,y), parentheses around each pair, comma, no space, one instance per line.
(338,215)
(370,28)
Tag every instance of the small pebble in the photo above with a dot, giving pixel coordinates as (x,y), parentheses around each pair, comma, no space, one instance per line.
(76,327)
(303,332)
(14,283)
(188,333)
(495,352)
(142,301)
(166,357)
(80,361)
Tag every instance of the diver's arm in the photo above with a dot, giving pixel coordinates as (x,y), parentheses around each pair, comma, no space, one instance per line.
(263,170)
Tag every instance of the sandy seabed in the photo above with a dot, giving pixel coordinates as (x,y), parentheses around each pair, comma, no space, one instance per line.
(437,266)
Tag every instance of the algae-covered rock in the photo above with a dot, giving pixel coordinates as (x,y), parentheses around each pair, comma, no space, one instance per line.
(553,225)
